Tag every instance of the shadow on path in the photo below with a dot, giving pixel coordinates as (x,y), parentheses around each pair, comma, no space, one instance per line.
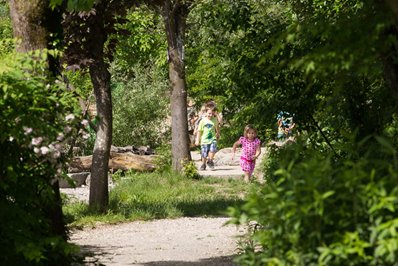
(219,261)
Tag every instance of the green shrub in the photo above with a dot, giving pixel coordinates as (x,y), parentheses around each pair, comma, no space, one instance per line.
(189,170)
(36,118)
(140,109)
(163,158)
(325,211)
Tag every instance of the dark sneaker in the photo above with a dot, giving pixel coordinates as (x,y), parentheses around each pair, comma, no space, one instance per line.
(203,167)
(210,163)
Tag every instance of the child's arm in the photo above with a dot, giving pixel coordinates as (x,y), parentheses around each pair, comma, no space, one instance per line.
(258,152)
(217,130)
(236,144)
(198,134)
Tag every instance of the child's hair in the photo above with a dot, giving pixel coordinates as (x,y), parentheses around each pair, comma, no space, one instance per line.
(247,128)
(211,105)
(210,108)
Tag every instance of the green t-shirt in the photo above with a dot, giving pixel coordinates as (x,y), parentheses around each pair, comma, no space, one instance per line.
(208,130)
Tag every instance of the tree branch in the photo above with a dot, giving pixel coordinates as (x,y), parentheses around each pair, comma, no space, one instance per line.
(324,136)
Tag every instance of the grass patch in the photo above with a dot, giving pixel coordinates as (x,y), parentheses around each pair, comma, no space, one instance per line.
(161,195)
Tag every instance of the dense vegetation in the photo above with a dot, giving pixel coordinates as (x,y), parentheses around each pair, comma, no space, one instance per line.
(331,196)
(37,120)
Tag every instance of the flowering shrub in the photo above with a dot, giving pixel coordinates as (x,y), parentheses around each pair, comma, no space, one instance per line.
(37,116)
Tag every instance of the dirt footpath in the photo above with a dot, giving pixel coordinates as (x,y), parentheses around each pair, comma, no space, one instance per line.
(183,241)
(168,242)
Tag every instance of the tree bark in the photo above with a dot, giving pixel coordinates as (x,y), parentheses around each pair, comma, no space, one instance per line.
(100,77)
(33,22)
(28,19)
(175,23)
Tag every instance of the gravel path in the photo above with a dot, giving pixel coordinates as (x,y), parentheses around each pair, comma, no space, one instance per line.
(168,242)
(184,241)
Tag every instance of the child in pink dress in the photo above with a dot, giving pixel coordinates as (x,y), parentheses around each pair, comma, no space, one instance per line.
(251,149)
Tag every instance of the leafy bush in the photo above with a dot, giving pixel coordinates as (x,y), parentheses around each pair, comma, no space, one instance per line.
(189,170)
(6,42)
(140,82)
(140,110)
(163,159)
(36,118)
(325,211)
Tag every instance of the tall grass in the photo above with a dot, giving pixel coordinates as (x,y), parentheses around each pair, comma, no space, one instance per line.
(162,195)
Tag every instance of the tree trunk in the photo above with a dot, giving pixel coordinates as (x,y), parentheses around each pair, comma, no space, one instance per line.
(33,22)
(175,24)
(100,77)
(28,19)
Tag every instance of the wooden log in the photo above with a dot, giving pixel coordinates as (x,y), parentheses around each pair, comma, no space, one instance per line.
(127,160)
(118,161)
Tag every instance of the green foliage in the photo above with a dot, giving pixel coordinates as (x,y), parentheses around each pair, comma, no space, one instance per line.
(36,120)
(189,170)
(140,88)
(6,42)
(80,83)
(146,42)
(226,44)
(163,159)
(316,59)
(140,110)
(325,211)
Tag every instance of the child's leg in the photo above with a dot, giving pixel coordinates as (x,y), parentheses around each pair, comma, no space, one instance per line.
(210,161)
(247,177)
(212,152)
(204,153)
(211,155)
(203,166)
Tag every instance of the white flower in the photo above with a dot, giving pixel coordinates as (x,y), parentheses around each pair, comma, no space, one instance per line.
(44,150)
(36,150)
(37,141)
(58,147)
(27,130)
(67,129)
(84,122)
(60,136)
(56,154)
(69,117)
(86,136)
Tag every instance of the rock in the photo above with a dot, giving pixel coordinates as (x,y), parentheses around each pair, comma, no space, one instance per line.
(142,150)
(224,157)
(75,180)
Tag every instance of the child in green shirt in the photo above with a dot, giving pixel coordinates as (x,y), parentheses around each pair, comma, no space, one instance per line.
(207,136)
